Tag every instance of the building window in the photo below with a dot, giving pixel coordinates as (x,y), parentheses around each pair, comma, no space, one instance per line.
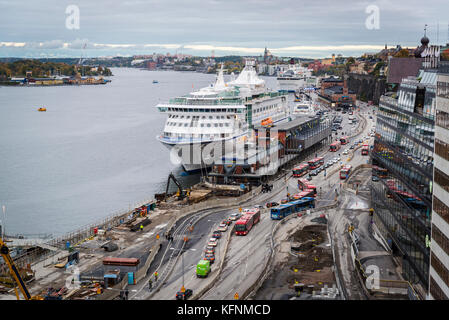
(436,291)
(441,179)
(440,238)
(440,208)
(443,89)
(442,149)
(442,119)
(440,269)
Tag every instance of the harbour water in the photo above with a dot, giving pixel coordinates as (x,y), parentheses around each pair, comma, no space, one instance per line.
(92,153)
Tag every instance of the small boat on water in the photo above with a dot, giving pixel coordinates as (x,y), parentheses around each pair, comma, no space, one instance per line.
(42,109)
(155,81)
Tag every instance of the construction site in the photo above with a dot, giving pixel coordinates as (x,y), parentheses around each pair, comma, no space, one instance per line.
(304,266)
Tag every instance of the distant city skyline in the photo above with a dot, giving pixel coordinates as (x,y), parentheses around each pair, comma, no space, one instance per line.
(308,29)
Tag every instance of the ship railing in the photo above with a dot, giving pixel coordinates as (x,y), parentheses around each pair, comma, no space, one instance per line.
(183,101)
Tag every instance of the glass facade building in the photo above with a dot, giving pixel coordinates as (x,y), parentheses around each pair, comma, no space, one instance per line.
(439,256)
(402,198)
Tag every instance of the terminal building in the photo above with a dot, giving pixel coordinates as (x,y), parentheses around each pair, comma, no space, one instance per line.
(335,93)
(403,157)
(270,149)
(439,256)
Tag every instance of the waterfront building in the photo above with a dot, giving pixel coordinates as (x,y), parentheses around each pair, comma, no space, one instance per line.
(271,148)
(439,256)
(335,92)
(403,155)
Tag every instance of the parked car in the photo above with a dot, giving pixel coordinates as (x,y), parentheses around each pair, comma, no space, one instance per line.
(227,222)
(375,178)
(222,227)
(235,216)
(271,204)
(212,242)
(313,173)
(210,257)
(184,295)
(346,151)
(216,234)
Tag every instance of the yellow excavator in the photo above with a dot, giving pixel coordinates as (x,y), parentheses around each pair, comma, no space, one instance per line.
(4,251)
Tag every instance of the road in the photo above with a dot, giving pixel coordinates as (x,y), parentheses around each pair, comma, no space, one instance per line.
(246,255)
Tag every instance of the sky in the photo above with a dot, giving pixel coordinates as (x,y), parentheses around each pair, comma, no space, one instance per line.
(293,28)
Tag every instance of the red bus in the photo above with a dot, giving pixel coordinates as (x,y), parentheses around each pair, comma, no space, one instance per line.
(316,163)
(304,193)
(335,146)
(246,222)
(365,150)
(344,172)
(303,185)
(344,140)
(300,170)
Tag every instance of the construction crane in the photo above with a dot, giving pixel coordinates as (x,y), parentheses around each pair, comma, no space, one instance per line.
(180,193)
(4,251)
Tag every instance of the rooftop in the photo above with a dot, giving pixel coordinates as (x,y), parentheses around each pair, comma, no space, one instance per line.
(400,68)
(337,90)
(293,124)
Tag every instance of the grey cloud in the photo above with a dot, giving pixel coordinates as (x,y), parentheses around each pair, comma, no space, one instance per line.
(236,23)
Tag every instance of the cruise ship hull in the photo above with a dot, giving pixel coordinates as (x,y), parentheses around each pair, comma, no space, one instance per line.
(191,165)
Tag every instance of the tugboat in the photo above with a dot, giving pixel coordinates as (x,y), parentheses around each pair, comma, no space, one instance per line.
(42,109)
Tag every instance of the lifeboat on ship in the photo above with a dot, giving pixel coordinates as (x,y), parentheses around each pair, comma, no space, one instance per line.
(267,122)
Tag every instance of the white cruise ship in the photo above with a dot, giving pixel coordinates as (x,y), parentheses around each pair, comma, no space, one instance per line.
(294,78)
(220,112)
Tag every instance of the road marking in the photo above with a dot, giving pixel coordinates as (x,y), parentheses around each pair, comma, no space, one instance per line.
(161,226)
(147,235)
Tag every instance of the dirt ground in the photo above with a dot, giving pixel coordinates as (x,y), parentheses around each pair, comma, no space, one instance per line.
(309,264)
